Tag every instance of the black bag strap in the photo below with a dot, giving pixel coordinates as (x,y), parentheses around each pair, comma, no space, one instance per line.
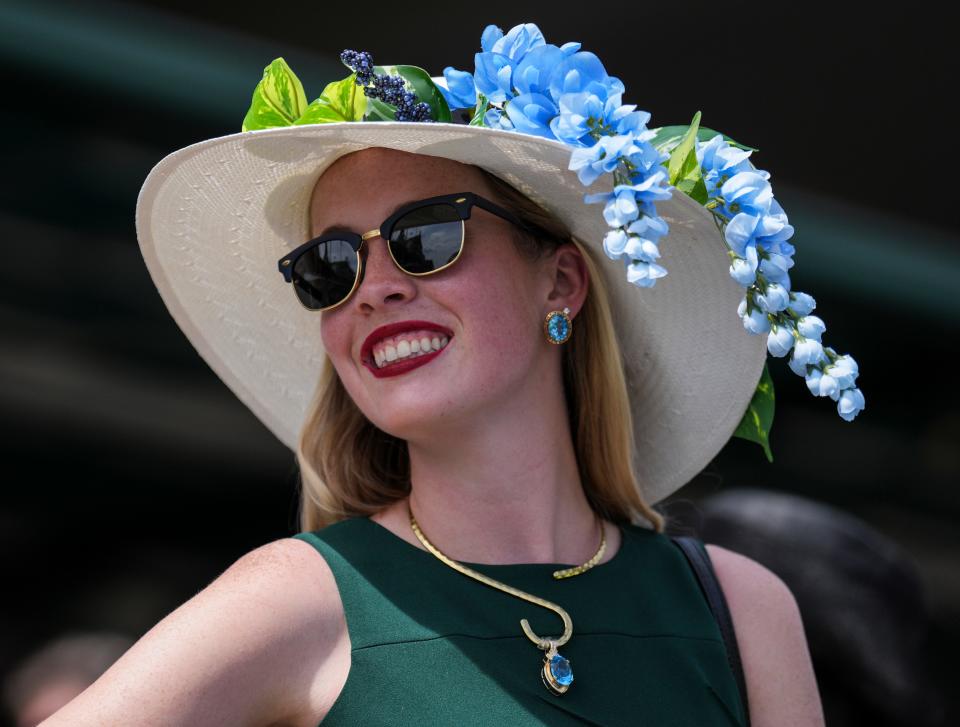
(699,559)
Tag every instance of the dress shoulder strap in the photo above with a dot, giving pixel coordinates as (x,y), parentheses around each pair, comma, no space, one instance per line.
(699,560)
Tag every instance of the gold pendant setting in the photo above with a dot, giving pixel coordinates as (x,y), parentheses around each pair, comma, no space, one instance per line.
(556,672)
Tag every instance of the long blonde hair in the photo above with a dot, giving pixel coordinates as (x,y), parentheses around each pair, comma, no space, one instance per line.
(349,467)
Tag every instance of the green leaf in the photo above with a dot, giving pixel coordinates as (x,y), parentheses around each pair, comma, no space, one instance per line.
(480,112)
(377,110)
(278,100)
(667,138)
(685,171)
(758,419)
(340,101)
(419,81)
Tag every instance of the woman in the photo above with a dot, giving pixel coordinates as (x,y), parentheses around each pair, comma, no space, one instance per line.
(451,431)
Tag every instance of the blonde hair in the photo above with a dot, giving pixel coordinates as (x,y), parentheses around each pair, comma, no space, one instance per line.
(349,467)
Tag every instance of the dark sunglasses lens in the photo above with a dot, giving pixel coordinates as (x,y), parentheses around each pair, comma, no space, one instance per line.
(427,238)
(325,274)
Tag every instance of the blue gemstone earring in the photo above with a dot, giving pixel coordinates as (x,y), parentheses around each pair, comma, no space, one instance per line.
(557,326)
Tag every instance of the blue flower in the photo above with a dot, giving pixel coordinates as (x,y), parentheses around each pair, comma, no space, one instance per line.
(643,274)
(601,158)
(808,351)
(747,198)
(461,93)
(811,327)
(579,115)
(773,230)
(774,299)
(530,113)
(615,242)
(774,268)
(821,384)
(850,404)
(649,224)
(496,119)
(501,55)
(642,249)
(780,340)
(845,370)
(585,115)
(756,322)
(801,303)
(532,74)
(515,44)
(583,71)
(719,161)
(744,269)
(621,208)
(746,193)
(494,76)
(738,233)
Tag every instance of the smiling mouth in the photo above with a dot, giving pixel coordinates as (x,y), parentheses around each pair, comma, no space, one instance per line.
(405,347)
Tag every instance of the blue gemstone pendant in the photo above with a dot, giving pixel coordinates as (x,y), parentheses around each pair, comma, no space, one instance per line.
(557,326)
(556,673)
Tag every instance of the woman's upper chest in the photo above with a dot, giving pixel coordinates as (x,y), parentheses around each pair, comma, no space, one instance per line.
(416,632)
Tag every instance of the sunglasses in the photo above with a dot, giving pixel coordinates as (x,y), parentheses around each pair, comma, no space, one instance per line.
(423,238)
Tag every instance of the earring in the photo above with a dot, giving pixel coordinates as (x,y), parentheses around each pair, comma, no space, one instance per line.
(557,326)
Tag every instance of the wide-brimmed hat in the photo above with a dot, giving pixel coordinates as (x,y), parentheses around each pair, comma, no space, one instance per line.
(214,218)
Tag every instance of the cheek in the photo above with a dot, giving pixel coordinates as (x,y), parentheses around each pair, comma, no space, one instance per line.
(336,341)
(502,319)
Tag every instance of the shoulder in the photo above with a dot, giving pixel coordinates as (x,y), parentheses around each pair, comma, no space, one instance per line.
(251,647)
(291,572)
(781,685)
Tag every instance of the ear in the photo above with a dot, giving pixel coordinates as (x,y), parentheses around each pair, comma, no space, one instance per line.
(569,279)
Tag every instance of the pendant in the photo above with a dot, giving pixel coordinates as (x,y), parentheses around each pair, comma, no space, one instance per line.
(556,673)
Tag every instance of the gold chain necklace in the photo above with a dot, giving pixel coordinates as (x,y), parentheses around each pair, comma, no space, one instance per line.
(556,673)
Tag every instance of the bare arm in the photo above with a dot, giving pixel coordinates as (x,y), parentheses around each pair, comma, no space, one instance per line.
(247,650)
(781,685)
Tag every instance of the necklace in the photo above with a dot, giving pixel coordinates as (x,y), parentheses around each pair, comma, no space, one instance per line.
(556,673)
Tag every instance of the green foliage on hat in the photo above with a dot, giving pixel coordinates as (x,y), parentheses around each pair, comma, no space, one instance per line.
(278,100)
(758,418)
(667,138)
(340,101)
(683,166)
(480,112)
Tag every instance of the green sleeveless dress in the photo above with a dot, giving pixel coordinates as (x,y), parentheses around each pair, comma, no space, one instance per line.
(431,646)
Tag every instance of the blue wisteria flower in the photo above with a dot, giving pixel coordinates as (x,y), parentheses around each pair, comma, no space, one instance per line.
(460,92)
(720,161)
(522,83)
(531,113)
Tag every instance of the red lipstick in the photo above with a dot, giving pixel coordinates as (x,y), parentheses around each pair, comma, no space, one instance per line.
(392,329)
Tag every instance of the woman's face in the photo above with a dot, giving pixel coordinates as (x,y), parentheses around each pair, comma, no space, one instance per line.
(492,300)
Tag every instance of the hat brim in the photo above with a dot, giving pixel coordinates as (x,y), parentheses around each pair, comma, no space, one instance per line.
(213,218)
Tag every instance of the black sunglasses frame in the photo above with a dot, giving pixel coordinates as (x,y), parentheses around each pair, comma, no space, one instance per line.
(462,202)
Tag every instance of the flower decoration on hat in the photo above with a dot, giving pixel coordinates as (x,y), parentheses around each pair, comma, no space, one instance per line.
(523,84)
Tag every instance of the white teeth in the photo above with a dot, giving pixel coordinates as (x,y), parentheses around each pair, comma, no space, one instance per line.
(394,349)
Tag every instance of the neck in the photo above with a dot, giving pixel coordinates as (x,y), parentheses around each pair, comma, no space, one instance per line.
(502,488)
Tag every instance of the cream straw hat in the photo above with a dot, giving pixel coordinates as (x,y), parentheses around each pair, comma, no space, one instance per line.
(213,219)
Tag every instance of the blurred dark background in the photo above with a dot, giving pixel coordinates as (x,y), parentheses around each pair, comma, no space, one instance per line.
(132,475)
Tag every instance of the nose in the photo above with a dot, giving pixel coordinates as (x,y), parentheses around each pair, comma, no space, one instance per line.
(382,282)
